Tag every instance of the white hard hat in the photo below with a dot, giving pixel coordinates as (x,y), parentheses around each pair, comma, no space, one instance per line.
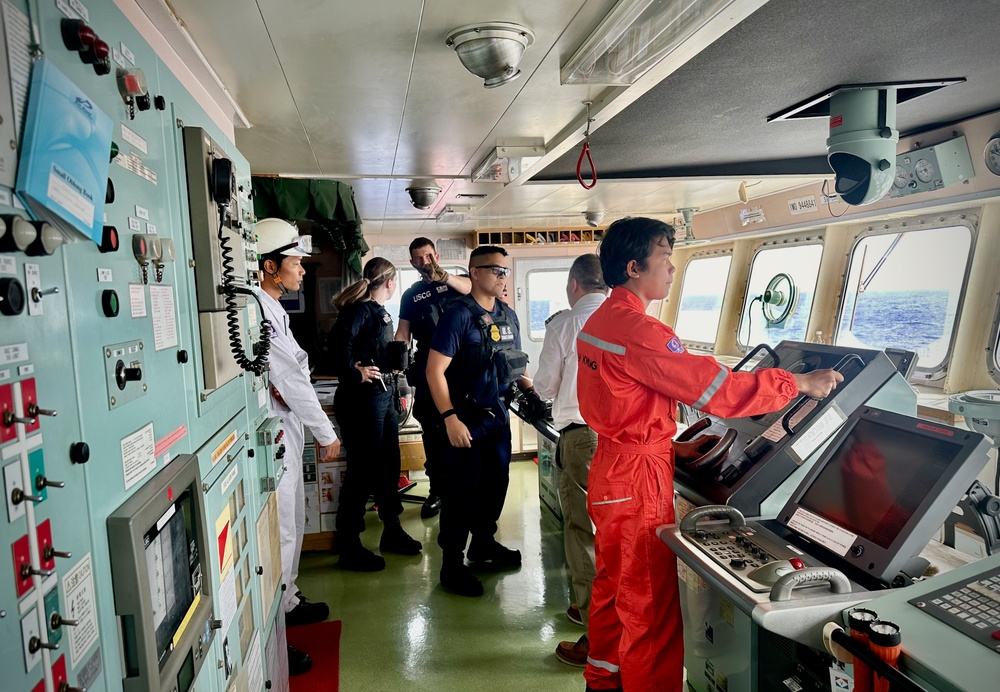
(277,235)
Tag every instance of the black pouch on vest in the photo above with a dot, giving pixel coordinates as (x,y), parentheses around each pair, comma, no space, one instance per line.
(397,355)
(511,364)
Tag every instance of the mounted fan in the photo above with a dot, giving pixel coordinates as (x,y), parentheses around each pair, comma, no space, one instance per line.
(779,300)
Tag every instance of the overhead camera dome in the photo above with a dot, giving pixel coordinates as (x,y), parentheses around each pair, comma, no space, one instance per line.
(861,148)
(423,195)
(491,50)
(593,218)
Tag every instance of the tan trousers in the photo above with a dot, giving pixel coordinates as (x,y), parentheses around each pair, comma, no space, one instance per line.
(576,449)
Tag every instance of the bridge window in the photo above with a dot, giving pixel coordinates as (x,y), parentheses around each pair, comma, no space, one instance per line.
(783,268)
(546,296)
(904,290)
(702,290)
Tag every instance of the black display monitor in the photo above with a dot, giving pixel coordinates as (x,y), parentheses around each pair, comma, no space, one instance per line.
(160,571)
(882,488)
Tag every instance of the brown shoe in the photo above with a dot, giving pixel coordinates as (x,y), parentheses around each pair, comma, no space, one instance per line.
(574,654)
(573,613)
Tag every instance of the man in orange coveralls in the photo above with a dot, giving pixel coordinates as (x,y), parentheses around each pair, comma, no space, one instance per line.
(632,372)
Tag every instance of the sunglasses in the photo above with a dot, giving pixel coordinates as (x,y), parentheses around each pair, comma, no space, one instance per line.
(498,270)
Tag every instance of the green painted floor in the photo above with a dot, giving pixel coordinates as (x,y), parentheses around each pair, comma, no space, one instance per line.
(401,631)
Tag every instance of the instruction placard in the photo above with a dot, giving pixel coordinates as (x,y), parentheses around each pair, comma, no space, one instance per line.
(78,585)
(138,455)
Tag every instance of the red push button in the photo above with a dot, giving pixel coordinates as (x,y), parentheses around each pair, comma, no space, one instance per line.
(796,563)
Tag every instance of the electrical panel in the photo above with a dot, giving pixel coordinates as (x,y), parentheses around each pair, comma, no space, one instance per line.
(932,168)
(125,360)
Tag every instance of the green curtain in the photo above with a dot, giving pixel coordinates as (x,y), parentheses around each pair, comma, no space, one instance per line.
(328,203)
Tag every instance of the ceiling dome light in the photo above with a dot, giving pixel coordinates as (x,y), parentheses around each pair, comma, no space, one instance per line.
(491,50)
(593,218)
(423,194)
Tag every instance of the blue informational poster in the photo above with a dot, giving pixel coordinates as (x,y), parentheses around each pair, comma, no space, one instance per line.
(62,175)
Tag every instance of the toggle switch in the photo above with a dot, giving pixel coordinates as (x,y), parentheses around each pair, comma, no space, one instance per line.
(33,410)
(41,483)
(37,293)
(27,571)
(29,402)
(35,645)
(9,419)
(49,553)
(57,621)
(17,496)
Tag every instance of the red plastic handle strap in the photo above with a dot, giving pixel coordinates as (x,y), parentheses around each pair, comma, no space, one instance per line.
(579,165)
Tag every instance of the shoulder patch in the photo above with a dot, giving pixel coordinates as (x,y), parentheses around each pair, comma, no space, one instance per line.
(675,345)
(553,316)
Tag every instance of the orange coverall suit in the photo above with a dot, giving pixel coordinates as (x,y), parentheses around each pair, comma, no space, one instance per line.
(632,372)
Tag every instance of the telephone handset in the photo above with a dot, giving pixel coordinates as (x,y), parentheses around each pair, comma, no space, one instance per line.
(222,181)
(222,187)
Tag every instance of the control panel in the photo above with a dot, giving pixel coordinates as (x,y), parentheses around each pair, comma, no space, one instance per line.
(932,168)
(972,607)
(124,301)
(753,558)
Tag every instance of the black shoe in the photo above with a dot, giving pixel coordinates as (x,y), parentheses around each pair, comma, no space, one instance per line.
(498,556)
(306,613)
(396,540)
(431,507)
(458,579)
(361,560)
(298,661)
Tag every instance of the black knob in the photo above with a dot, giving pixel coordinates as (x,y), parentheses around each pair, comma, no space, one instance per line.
(109,239)
(182,356)
(251,453)
(267,685)
(857,550)
(109,302)
(143,102)
(132,374)
(79,452)
(259,570)
(160,102)
(109,194)
(11,296)
(737,563)
(102,67)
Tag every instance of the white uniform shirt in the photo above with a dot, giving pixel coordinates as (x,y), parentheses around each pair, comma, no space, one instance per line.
(555,377)
(289,374)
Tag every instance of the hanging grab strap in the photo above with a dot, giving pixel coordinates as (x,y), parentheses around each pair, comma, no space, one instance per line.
(585,151)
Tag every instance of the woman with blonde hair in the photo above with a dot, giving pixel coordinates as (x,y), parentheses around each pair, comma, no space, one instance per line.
(364,406)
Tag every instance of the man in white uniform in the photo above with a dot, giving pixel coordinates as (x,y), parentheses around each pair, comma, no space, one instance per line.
(556,379)
(280,250)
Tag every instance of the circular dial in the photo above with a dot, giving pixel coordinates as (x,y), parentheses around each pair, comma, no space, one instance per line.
(924,170)
(992,154)
(901,177)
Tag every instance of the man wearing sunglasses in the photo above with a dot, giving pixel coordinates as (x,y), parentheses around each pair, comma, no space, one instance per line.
(474,360)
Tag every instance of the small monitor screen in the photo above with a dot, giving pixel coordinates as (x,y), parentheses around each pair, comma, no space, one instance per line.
(174,571)
(877,479)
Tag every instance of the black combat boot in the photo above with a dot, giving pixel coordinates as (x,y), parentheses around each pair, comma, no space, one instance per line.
(459,579)
(357,558)
(396,540)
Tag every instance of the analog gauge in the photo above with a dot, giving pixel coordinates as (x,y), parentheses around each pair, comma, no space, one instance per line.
(924,170)
(901,178)
(992,154)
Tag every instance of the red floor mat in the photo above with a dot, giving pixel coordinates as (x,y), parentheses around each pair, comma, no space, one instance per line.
(322,642)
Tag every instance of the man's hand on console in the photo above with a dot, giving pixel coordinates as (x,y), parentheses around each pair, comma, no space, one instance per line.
(819,383)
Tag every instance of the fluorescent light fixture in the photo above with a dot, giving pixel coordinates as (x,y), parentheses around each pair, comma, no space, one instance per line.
(452,215)
(506,163)
(634,36)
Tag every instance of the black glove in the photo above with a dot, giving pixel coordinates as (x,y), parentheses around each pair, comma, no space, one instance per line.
(534,408)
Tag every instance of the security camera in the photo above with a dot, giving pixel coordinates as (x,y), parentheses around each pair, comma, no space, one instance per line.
(861,148)
(422,195)
(593,218)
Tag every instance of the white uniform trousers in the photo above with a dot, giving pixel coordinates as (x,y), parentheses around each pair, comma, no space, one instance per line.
(291,507)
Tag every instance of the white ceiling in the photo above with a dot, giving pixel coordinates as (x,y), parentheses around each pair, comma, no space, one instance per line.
(368,92)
